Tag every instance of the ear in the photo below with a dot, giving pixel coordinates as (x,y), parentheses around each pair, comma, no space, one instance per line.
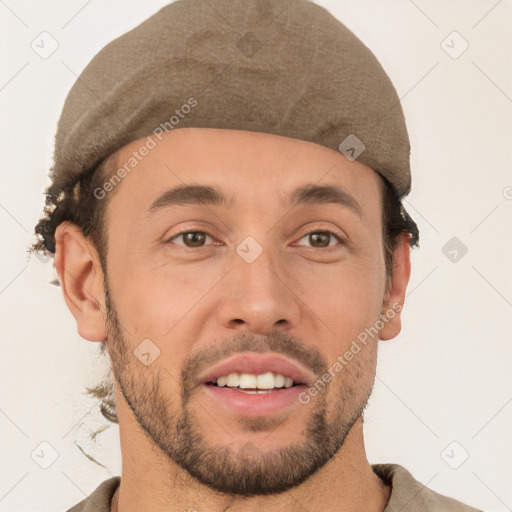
(81,279)
(394,297)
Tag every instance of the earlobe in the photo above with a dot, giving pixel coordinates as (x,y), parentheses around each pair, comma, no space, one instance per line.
(81,279)
(395,295)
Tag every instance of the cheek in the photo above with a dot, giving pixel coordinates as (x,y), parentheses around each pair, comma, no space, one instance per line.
(348,300)
(346,295)
(157,301)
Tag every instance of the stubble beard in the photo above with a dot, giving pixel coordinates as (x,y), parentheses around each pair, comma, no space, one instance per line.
(180,436)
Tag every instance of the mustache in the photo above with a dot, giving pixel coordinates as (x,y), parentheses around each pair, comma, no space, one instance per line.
(276,341)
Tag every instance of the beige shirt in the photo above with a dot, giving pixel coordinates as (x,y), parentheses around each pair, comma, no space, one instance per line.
(407,494)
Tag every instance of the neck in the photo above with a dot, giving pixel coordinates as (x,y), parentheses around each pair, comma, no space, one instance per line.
(151,482)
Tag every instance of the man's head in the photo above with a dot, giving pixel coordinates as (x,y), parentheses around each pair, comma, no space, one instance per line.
(221,240)
(308,296)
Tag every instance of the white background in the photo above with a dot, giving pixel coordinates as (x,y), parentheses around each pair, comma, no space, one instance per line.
(445,378)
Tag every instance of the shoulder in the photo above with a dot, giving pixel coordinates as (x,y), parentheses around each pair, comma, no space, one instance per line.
(99,500)
(409,494)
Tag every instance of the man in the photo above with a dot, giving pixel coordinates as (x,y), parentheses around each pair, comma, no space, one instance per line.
(225,217)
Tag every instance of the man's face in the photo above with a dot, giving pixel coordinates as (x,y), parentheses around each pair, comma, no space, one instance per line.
(257,277)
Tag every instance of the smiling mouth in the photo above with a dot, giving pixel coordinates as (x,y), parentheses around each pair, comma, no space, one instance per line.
(263,383)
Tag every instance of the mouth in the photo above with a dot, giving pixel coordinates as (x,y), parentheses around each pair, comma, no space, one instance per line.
(251,383)
(255,384)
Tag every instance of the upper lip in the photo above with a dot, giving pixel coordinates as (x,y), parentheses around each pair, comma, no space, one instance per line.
(257,364)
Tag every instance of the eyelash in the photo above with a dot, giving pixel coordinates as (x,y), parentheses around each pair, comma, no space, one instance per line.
(317,230)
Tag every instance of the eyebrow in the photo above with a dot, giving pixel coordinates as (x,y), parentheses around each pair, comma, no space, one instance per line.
(324,194)
(309,194)
(190,194)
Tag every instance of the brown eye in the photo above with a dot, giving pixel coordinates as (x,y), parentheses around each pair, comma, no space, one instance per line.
(321,239)
(191,239)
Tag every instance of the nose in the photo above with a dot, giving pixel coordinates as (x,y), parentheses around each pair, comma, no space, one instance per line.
(259,297)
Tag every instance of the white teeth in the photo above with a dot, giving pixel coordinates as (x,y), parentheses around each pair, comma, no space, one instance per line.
(247,381)
(278,380)
(268,380)
(233,380)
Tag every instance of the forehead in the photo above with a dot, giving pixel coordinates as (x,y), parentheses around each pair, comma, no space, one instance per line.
(237,168)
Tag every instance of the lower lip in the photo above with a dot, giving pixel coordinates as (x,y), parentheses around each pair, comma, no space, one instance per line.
(247,404)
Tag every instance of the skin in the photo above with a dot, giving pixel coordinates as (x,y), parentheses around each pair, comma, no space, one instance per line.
(296,299)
